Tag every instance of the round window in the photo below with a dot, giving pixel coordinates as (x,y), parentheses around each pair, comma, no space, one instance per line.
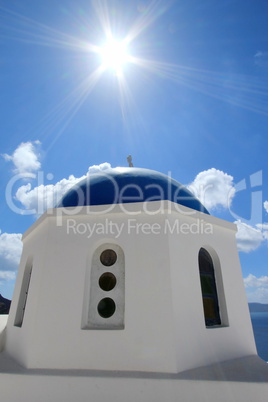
(107,281)
(106,307)
(108,257)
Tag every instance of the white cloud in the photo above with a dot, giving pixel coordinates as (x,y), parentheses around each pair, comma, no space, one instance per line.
(99,168)
(39,198)
(213,188)
(264,228)
(259,295)
(256,288)
(252,281)
(25,157)
(248,238)
(42,197)
(265,204)
(7,275)
(10,251)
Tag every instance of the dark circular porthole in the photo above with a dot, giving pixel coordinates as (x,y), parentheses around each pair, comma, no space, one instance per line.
(108,257)
(107,281)
(106,307)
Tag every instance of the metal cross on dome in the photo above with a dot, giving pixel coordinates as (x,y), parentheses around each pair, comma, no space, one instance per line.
(129,159)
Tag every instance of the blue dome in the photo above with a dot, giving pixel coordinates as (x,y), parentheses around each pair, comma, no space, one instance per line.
(128,185)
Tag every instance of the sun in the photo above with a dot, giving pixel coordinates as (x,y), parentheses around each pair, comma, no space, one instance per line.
(114,55)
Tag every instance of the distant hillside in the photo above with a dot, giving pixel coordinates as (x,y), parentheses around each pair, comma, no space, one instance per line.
(4,305)
(258,307)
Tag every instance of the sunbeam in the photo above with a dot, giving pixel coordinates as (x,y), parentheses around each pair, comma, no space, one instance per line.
(241,91)
(60,117)
(23,29)
(114,54)
(153,11)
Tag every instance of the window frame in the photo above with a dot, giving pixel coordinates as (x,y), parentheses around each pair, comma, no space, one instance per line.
(24,292)
(207,270)
(96,294)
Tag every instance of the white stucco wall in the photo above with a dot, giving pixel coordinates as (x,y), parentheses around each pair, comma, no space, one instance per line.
(198,345)
(164,322)
(242,380)
(3,323)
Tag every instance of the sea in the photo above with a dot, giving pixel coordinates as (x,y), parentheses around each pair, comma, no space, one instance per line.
(260,328)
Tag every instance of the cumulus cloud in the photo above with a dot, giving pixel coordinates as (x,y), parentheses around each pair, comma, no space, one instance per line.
(248,238)
(256,288)
(99,168)
(38,199)
(7,276)
(264,228)
(10,250)
(213,188)
(25,157)
(259,295)
(252,281)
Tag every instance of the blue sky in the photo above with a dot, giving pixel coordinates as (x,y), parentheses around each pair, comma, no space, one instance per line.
(191,99)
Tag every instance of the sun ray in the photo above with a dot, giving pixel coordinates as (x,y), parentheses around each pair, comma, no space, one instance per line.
(59,118)
(25,31)
(153,12)
(101,10)
(234,89)
(114,54)
(132,117)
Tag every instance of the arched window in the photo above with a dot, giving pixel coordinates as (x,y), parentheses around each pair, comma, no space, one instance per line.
(23,294)
(209,289)
(107,288)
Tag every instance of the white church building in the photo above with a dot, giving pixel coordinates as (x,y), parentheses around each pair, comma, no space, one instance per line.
(129,290)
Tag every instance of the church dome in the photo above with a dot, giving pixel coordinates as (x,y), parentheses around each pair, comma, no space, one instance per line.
(129,185)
